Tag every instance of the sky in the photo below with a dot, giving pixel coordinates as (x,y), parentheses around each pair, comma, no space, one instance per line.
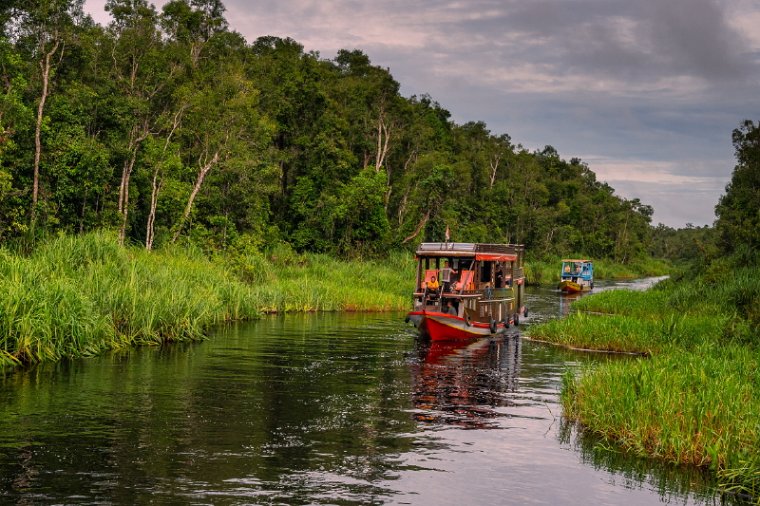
(646,92)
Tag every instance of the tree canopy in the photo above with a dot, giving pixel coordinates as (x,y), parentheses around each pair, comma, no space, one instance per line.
(738,211)
(166,125)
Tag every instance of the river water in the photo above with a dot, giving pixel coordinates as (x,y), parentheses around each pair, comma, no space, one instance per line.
(319,409)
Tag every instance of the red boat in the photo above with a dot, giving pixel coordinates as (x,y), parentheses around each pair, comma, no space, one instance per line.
(467,290)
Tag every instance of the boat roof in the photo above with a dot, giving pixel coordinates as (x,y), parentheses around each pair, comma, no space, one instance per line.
(481,251)
(576,260)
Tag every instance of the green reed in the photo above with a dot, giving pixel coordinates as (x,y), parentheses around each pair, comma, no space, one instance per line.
(320,283)
(78,296)
(696,407)
(696,399)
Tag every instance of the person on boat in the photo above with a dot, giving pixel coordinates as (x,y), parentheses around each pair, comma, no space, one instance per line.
(450,309)
(499,278)
(433,284)
(446,276)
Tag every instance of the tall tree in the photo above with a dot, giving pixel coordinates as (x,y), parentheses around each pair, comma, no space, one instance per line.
(738,211)
(224,127)
(46,25)
(141,74)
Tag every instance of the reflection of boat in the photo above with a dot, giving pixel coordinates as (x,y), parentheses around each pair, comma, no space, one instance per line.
(577,276)
(480,291)
(439,351)
(465,383)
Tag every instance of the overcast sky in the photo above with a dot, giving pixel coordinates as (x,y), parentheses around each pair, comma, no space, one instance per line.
(646,92)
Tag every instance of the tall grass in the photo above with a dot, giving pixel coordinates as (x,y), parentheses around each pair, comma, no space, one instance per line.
(284,281)
(646,336)
(78,296)
(685,407)
(696,400)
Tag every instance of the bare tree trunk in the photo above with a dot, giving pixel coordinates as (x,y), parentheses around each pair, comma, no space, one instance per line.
(136,136)
(158,183)
(45,67)
(150,233)
(402,207)
(198,182)
(494,163)
(419,228)
(383,138)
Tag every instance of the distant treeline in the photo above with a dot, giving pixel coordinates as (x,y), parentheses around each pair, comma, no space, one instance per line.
(168,125)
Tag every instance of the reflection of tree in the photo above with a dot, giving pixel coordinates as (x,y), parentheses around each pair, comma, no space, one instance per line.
(302,407)
(27,473)
(462,383)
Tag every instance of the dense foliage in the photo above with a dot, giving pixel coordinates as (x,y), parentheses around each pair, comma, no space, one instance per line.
(738,210)
(168,124)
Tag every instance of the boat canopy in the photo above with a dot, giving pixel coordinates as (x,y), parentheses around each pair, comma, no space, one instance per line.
(484,252)
(495,258)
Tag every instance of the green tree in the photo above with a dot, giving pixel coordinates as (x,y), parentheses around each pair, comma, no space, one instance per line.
(140,75)
(43,28)
(738,211)
(223,128)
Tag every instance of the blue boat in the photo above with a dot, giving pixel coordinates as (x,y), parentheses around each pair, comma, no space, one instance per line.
(577,275)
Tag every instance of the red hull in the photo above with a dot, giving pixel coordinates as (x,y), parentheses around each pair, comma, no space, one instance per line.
(445,327)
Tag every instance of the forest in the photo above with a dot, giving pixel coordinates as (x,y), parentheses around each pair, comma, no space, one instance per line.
(169,126)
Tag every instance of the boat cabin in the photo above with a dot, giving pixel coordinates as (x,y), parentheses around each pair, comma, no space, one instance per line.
(477,282)
(576,275)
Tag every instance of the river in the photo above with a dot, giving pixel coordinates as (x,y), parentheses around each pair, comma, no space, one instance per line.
(319,409)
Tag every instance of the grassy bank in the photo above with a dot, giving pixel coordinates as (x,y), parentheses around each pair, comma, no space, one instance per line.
(546,272)
(79,296)
(283,281)
(696,398)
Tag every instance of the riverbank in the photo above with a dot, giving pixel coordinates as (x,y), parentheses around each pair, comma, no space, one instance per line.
(79,296)
(696,398)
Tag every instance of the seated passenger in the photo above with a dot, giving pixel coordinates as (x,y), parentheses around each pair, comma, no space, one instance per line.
(432,284)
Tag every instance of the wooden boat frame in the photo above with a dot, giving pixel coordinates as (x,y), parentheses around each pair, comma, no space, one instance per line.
(486,289)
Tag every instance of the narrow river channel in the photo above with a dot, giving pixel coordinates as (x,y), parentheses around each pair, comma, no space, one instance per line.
(319,409)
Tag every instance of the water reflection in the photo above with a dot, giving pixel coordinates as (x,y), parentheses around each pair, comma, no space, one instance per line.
(461,383)
(316,409)
(671,482)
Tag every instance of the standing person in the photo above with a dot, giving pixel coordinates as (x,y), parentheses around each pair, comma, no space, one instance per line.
(499,278)
(446,276)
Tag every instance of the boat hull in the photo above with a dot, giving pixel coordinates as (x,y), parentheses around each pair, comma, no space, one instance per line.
(572,287)
(445,327)
(569,287)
